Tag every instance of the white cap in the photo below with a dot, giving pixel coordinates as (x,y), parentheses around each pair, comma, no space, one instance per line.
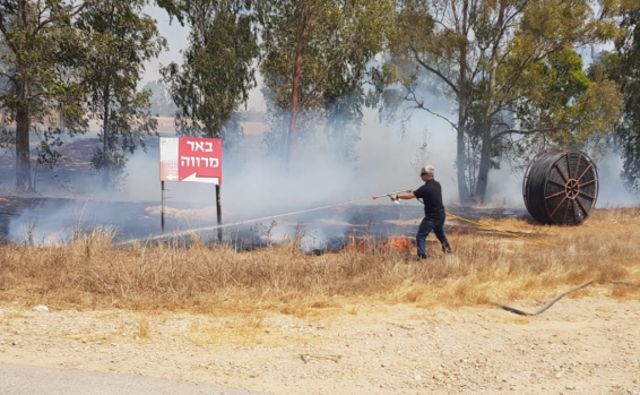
(429,169)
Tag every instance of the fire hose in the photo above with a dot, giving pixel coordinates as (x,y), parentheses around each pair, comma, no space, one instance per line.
(505,307)
(550,303)
(375,197)
(298,212)
(463,219)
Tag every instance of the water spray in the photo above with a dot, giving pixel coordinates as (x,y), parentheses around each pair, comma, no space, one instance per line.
(238,223)
(254,220)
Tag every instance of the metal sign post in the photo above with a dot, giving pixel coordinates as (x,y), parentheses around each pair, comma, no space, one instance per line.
(219,212)
(162,206)
(191,159)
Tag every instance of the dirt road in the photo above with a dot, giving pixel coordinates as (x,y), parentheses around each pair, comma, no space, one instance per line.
(585,345)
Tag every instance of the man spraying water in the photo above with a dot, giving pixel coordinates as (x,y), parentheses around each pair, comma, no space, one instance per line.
(430,193)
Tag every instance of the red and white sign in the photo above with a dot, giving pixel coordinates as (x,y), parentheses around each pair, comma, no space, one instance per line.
(191,159)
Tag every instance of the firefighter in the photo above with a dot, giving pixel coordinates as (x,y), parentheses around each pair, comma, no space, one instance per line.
(430,193)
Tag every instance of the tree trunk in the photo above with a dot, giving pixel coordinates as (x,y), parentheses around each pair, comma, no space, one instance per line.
(463,100)
(461,156)
(297,76)
(23,124)
(485,165)
(23,157)
(23,116)
(461,163)
(105,133)
(487,123)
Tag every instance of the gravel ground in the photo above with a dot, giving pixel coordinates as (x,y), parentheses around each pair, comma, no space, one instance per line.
(27,380)
(584,345)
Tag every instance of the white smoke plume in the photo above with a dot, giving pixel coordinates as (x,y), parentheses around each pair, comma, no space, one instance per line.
(256,184)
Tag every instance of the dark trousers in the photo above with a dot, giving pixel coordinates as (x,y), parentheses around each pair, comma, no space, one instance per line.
(426,226)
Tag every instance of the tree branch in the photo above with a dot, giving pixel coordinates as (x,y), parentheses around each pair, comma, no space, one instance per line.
(420,105)
(506,23)
(511,82)
(434,71)
(52,18)
(521,132)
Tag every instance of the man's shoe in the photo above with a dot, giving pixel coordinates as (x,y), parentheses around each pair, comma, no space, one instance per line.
(446,249)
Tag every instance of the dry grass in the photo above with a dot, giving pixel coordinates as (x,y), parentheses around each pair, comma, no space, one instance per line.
(486,266)
(144,330)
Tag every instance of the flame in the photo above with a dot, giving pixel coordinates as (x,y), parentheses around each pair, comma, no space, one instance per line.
(367,243)
(359,243)
(399,242)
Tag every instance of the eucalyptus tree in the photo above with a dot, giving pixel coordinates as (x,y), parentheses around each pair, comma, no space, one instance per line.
(624,66)
(217,73)
(120,40)
(315,57)
(510,68)
(39,62)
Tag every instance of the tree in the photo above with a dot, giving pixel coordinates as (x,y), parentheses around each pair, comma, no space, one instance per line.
(316,55)
(623,65)
(217,74)
(121,39)
(39,64)
(173,7)
(360,33)
(510,68)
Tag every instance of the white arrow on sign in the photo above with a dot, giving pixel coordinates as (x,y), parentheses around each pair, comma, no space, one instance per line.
(207,180)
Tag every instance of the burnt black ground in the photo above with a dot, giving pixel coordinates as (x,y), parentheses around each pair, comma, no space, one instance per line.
(39,219)
(43,217)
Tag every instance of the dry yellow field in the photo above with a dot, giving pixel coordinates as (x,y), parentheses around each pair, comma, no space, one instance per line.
(277,320)
(508,259)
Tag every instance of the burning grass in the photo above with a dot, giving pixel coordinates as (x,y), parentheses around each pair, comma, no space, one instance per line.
(535,262)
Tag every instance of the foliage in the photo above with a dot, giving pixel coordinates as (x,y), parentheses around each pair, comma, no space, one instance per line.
(39,50)
(120,39)
(511,70)
(623,65)
(173,7)
(328,45)
(217,73)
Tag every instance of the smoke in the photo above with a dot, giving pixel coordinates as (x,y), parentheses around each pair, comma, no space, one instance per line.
(612,191)
(504,188)
(258,184)
(390,156)
(56,221)
(255,183)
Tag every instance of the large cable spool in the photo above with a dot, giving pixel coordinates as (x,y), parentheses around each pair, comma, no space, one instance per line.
(560,187)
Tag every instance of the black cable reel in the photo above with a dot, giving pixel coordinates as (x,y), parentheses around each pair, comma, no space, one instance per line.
(560,187)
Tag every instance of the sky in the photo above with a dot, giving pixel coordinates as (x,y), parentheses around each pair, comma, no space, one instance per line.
(177,37)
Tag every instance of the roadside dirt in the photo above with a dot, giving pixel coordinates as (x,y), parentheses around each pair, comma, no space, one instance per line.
(588,344)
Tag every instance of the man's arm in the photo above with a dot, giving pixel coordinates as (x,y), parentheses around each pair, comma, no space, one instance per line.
(403,196)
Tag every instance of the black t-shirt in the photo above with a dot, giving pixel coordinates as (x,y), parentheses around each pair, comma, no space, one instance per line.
(431,195)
